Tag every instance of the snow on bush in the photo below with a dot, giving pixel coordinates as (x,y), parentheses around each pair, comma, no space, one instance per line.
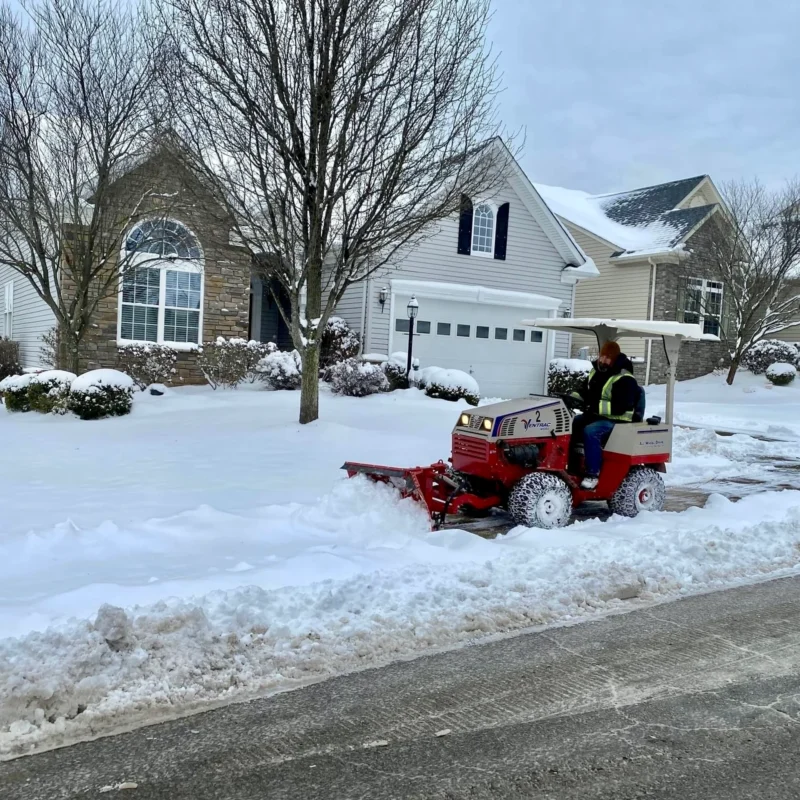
(101,393)
(395,375)
(766,352)
(14,389)
(781,373)
(356,378)
(281,370)
(147,363)
(449,384)
(565,375)
(339,342)
(228,362)
(48,391)
(9,358)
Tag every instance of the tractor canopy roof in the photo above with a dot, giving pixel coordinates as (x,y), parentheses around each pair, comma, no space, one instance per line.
(612,329)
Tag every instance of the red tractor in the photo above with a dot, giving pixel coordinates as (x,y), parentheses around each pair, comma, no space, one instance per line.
(515,455)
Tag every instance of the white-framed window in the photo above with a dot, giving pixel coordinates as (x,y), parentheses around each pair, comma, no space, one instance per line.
(161,289)
(484,217)
(703,304)
(8,310)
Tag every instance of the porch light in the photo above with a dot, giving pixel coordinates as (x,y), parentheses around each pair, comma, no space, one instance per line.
(413,307)
(383,293)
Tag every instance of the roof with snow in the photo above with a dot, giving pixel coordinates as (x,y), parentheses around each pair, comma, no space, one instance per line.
(640,222)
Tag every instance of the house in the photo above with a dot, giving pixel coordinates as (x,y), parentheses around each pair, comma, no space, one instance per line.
(503,259)
(641,242)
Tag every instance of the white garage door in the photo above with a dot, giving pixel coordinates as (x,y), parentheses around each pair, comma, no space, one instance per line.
(485,340)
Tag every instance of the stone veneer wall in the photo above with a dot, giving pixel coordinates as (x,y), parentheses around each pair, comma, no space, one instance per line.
(227,269)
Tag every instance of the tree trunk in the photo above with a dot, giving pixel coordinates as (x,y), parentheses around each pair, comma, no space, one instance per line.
(732,371)
(309,388)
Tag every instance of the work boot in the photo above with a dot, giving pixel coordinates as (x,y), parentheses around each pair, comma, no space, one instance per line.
(590,482)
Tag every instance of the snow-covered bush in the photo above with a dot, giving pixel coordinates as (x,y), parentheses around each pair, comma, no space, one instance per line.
(396,375)
(14,389)
(147,363)
(281,370)
(781,373)
(449,384)
(48,391)
(9,358)
(256,351)
(228,362)
(565,375)
(767,352)
(339,342)
(101,393)
(356,378)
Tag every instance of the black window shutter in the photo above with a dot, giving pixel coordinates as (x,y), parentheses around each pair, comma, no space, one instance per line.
(680,310)
(465,227)
(501,232)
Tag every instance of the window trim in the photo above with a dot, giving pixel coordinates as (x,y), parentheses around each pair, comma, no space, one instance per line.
(8,309)
(703,285)
(144,260)
(494,208)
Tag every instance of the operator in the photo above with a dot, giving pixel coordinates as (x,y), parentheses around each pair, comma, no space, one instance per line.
(610,396)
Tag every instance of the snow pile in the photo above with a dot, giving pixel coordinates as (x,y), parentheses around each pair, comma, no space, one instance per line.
(14,383)
(449,384)
(571,364)
(128,665)
(97,379)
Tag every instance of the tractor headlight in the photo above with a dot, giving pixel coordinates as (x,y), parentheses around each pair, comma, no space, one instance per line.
(487,424)
(464,421)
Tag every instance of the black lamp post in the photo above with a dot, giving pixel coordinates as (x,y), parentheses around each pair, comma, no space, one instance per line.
(412,309)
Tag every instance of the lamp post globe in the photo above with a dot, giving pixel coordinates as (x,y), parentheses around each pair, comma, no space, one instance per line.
(412,309)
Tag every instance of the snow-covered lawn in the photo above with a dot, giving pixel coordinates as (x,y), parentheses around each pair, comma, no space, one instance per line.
(246,562)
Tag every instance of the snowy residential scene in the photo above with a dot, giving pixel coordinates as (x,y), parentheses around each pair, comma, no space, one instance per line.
(399,399)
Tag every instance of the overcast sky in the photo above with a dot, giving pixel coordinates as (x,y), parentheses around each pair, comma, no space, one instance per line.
(615,94)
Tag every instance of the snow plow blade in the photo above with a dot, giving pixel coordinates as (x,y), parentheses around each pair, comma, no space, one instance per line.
(433,487)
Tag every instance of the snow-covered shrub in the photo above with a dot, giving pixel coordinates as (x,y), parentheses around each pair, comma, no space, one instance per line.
(339,342)
(101,393)
(396,375)
(14,389)
(48,391)
(281,370)
(781,373)
(356,378)
(767,352)
(256,351)
(9,358)
(449,384)
(147,363)
(227,362)
(565,375)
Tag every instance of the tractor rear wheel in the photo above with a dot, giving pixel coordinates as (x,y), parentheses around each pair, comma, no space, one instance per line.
(642,490)
(540,500)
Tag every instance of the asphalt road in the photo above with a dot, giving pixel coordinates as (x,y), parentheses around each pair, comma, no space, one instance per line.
(699,698)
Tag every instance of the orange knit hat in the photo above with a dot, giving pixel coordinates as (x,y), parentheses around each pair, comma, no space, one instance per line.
(610,350)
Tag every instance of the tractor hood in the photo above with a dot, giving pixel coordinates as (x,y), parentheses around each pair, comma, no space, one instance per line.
(526,418)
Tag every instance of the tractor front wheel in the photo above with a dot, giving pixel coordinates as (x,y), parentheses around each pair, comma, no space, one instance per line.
(540,500)
(642,490)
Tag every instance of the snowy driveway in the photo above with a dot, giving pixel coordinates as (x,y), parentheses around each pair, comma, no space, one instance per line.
(247,562)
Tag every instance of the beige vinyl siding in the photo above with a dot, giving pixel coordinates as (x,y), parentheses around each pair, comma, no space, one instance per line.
(351,307)
(32,317)
(622,292)
(790,334)
(532,265)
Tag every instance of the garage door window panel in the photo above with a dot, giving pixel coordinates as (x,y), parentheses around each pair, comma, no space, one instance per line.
(423,326)
(536,336)
(462,330)
(501,333)
(401,325)
(443,329)
(519,335)
(482,332)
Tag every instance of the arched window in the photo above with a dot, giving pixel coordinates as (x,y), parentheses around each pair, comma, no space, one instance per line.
(483,229)
(162,286)
(163,237)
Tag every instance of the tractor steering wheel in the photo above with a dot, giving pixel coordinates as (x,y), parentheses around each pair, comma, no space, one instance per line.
(571,402)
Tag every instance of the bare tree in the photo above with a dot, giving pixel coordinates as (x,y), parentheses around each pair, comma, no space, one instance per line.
(77,88)
(336,133)
(753,248)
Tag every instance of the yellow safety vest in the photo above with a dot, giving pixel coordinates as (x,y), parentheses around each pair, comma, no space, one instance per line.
(605,397)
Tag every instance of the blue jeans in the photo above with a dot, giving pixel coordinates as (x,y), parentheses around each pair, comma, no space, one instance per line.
(595,432)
